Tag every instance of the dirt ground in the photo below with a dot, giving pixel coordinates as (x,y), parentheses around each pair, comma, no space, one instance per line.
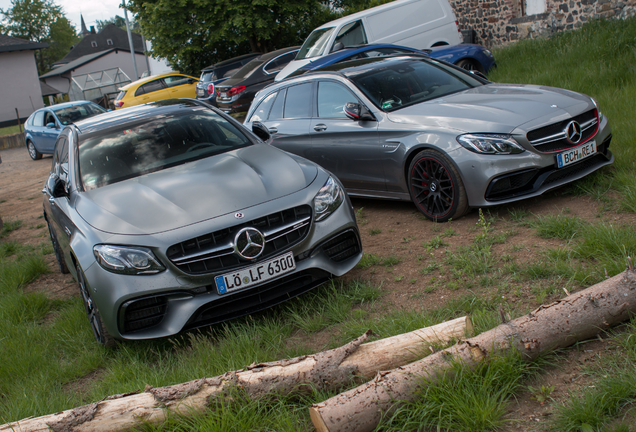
(388,229)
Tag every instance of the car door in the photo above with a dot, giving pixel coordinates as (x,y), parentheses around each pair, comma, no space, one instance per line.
(58,207)
(349,149)
(150,91)
(50,132)
(36,130)
(287,114)
(180,86)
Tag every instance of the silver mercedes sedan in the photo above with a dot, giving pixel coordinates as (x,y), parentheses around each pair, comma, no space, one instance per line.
(412,128)
(172,216)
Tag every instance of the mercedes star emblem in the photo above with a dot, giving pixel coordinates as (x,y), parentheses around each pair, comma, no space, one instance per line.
(249,243)
(239,215)
(573,132)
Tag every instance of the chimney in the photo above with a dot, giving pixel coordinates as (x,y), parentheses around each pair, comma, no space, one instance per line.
(93,29)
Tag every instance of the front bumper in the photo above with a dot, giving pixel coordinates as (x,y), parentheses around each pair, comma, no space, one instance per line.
(493,180)
(153,306)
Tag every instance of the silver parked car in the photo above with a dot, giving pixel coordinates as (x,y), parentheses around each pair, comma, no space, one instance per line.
(172,216)
(411,128)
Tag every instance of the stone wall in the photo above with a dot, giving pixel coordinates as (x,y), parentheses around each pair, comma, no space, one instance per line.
(499,22)
(11,141)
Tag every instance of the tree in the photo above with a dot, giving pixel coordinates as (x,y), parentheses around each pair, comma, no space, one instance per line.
(192,34)
(40,21)
(117,20)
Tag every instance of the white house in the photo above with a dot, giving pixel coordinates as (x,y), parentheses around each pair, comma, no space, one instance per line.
(20,87)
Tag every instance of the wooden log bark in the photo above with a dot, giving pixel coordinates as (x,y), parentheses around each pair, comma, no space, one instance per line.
(577,317)
(324,370)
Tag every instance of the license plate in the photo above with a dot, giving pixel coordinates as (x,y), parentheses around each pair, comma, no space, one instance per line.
(223,95)
(200,92)
(255,274)
(576,154)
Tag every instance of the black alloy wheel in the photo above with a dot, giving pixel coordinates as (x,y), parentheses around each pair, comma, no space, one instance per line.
(101,334)
(436,188)
(468,65)
(33,152)
(59,255)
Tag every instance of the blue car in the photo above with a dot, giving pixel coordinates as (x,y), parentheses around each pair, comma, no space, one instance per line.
(466,56)
(44,125)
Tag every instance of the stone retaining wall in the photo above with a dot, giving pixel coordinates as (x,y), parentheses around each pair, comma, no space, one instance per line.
(11,141)
(499,22)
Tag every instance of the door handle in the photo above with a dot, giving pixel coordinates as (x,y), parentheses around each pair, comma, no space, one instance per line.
(67,231)
(320,127)
(273,130)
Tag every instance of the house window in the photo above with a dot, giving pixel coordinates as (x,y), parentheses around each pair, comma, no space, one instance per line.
(109,41)
(534,7)
(94,44)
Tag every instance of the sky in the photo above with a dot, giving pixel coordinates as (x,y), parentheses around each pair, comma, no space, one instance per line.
(92,10)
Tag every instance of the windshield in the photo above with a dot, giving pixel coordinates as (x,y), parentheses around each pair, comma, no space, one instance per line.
(315,44)
(78,112)
(126,151)
(248,69)
(399,83)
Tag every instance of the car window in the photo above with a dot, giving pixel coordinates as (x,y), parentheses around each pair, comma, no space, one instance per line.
(49,118)
(130,150)
(403,83)
(277,108)
(248,69)
(332,98)
(351,34)
(261,113)
(150,87)
(298,101)
(58,154)
(277,64)
(78,112)
(38,118)
(176,80)
(315,43)
(206,76)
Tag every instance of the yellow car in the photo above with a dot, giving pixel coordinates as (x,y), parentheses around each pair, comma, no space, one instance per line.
(157,87)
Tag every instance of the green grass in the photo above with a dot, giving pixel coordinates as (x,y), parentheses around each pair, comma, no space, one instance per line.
(10,130)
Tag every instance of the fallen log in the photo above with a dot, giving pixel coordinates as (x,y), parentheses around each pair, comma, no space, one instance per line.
(325,370)
(577,317)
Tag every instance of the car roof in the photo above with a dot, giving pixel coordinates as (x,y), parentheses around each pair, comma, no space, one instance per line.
(354,67)
(140,81)
(64,105)
(133,114)
(353,50)
(270,55)
(228,61)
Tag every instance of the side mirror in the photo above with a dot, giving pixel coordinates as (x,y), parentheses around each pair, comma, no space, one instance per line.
(260,131)
(337,47)
(56,187)
(358,112)
(50,125)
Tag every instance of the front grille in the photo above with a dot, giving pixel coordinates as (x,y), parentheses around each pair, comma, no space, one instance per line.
(572,170)
(525,182)
(143,313)
(552,138)
(343,246)
(214,252)
(257,298)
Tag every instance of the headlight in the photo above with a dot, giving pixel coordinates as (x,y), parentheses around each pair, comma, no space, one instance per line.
(127,260)
(598,108)
(328,199)
(490,143)
(488,53)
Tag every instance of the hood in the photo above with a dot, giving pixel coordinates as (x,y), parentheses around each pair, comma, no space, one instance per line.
(495,108)
(195,191)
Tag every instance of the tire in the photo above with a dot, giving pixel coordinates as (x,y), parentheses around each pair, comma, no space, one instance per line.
(59,255)
(468,65)
(99,331)
(436,188)
(33,152)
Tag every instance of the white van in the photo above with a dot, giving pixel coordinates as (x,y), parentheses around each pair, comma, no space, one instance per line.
(416,24)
